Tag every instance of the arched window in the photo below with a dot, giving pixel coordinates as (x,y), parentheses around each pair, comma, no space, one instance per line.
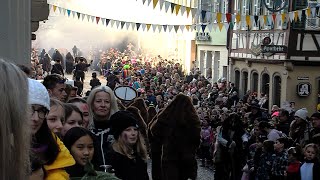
(244,81)
(237,78)
(254,81)
(277,90)
(265,81)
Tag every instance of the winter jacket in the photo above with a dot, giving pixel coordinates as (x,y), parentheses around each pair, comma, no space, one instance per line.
(64,159)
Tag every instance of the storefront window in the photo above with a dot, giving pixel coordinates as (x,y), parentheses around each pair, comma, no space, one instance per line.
(265,83)
(244,81)
(277,90)
(254,82)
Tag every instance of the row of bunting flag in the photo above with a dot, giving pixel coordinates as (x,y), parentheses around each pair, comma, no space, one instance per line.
(211,21)
(175,8)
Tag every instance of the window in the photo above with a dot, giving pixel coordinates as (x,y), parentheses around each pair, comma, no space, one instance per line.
(237,78)
(254,82)
(277,90)
(265,80)
(244,81)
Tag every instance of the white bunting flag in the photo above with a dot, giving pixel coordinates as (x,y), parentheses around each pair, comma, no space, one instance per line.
(149,1)
(92,18)
(170,27)
(83,16)
(313,12)
(161,2)
(215,26)
(154,27)
(127,25)
(226,26)
(143,26)
(159,28)
(210,26)
(299,14)
(166,5)
(194,12)
(208,16)
(117,24)
(182,10)
(73,13)
(103,20)
(60,9)
(291,16)
(214,17)
(133,25)
(112,22)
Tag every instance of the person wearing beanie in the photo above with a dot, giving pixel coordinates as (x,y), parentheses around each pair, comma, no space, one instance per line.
(300,127)
(45,145)
(129,154)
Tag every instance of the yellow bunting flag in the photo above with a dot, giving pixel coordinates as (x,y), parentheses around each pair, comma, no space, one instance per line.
(265,19)
(283,17)
(219,17)
(248,20)
(296,15)
(188,27)
(54,8)
(308,12)
(238,18)
(177,9)
(220,25)
(148,26)
(188,11)
(155,2)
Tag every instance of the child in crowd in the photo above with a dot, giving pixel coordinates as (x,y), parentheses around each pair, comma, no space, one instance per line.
(294,164)
(266,159)
(94,81)
(79,85)
(280,163)
(310,169)
(205,144)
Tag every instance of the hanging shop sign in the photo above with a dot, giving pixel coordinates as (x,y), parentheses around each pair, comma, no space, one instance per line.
(304,89)
(203,36)
(274,49)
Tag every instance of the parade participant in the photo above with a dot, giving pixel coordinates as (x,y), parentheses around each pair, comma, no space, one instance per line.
(179,134)
(94,82)
(55,84)
(102,104)
(73,118)
(56,116)
(310,168)
(45,145)
(84,108)
(81,67)
(129,155)
(57,68)
(14,138)
(80,143)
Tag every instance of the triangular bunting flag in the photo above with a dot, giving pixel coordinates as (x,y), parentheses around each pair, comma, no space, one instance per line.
(143,26)
(188,11)
(252,21)
(177,9)
(127,25)
(159,28)
(188,27)
(138,26)
(283,17)
(60,9)
(308,10)
(215,26)
(154,27)
(97,20)
(50,7)
(208,16)
(122,24)
(300,14)
(133,25)
(92,18)
(143,1)
(182,10)
(291,16)
(182,27)
(198,27)
(78,14)
(176,28)
(149,1)
(161,4)
(103,20)
(172,7)
(64,11)
(313,12)
(117,24)
(107,22)
(256,19)
(296,15)
(88,17)
(112,23)
(317,9)
(270,20)
(219,16)
(228,17)
(155,2)
(69,12)
(238,18)
(210,26)
(231,25)
(83,16)
(165,28)
(248,21)
(261,20)
(220,26)
(274,16)
(166,6)
(54,8)
(226,26)
(203,27)
(73,13)
(265,19)
(148,26)
(193,12)
(170,27)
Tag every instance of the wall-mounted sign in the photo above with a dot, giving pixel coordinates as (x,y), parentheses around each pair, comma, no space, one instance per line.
(304,89)
(202,36)
(273,49)
(305,78)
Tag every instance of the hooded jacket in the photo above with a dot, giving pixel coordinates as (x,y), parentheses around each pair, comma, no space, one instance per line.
(64,159)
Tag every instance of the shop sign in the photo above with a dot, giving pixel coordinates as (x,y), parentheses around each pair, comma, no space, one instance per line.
(304,89)
(273,49)
(303,78)
(202,36)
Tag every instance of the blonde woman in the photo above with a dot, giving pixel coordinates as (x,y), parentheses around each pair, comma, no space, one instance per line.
(102,105)
(14,131)
(129,154)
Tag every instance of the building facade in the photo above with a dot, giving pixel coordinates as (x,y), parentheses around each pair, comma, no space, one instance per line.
(277,58)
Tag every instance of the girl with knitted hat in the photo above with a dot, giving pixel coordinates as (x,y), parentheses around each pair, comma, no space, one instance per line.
(45,144)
